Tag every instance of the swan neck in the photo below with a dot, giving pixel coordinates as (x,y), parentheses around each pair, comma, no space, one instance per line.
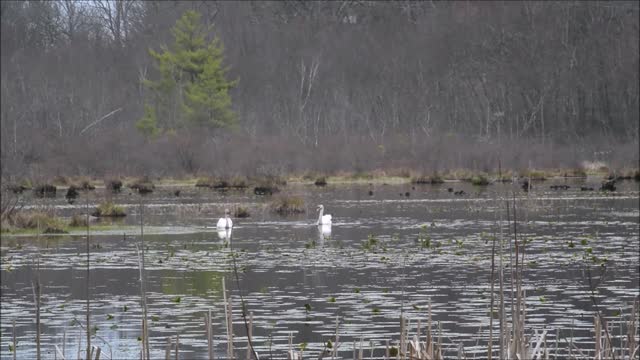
(320,216)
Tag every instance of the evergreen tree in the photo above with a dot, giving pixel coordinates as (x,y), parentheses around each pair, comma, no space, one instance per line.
(192,89)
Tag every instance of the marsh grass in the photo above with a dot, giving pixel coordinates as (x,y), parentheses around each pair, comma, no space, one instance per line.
(288,205)
(45,190)
(142,185)
(109,209)
(321,181)
(241,212)
(534,174)
(34,221)
(77,221)
(428,179)
(113,184)
(480,180)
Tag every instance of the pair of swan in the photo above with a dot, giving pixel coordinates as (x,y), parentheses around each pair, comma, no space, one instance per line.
(225,223)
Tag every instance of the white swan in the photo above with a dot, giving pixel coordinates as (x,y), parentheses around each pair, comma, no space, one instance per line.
(224,234)
(225,222)
(323,219)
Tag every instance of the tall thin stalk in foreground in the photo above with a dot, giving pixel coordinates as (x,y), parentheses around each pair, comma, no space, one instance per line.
(143,297)
(36,297)
(243,304)
(88,281)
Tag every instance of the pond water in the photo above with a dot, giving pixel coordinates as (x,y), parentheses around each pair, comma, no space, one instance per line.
(387,254)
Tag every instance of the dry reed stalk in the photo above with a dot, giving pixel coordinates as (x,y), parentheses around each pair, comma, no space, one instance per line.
(386,349)
(632,329)
(353,356)
(88,280)
(210,335)
(177,347)
(371,345)
(493,253)
(79,344)
(501,280)
(539,343)
(167,350)
(555,355)
(36,294)
(98,351)
(401,347)
(249,334)
(15,343)
(334,353)
(360,349)
(429,344)
(226,318)
(58,352)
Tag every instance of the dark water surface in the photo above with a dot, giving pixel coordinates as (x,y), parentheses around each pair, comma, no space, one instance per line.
(285,263)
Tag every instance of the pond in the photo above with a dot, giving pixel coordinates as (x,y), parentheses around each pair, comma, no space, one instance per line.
(389,252)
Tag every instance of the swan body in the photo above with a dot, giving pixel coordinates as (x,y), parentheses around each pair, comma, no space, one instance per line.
(225,222)
(324,220)
(224,234)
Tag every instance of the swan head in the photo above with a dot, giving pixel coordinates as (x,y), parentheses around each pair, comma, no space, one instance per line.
(226,212)
(320,207)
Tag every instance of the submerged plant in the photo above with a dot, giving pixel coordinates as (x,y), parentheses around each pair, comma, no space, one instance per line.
(371,243)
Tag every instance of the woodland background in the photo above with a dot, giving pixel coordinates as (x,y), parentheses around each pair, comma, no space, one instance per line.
(326,87)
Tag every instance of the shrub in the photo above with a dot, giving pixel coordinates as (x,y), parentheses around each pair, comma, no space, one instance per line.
(114,185)
(204,182)
(44,190)
(109,209)
(31,220)
(268,185)
(17,188)
(60,180)
(286,205)
(239,182)
(241,212)
(78,221)
(72,193)
(424,179)
(220,184)
(480,180)
(321,181)
(84,183)
(578,172)
(142,185)
(535,175)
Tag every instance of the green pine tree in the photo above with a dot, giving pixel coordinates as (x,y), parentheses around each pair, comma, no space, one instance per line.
(192,89)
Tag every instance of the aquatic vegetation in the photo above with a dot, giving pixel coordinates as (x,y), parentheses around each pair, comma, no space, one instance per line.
(241,212)
(371,244)
(428,179)
(321,181)
(480,180)
(142,185)
(113,185)
(44,191)
(34,220)
(109,209)
(287,205)
(423,238)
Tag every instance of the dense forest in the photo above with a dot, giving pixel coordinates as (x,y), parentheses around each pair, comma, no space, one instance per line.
(323,86)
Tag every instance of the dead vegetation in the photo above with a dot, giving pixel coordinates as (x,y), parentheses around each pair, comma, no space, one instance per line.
(142,185)
(288,205)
